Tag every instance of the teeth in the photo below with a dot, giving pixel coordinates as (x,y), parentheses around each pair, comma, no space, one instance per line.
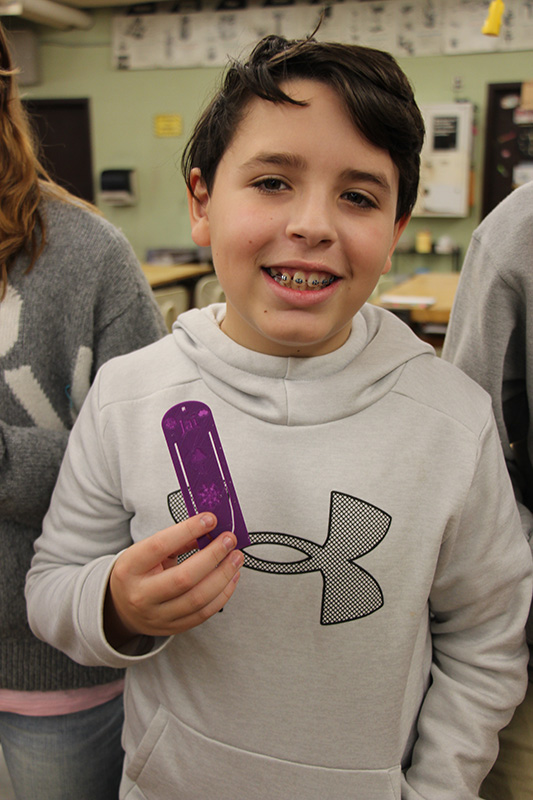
(313,281)
(302,281)
(299,281)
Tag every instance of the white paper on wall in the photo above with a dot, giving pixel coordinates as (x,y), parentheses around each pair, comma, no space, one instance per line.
(463,21)
(419,28)
(402,27)
(516,32)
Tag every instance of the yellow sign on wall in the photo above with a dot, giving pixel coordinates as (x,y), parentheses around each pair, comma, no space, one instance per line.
(168,125)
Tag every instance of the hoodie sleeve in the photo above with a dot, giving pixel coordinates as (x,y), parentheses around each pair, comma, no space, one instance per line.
(84,530)
(479,604)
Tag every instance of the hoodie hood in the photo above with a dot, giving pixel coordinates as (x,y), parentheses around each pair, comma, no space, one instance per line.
(299,391)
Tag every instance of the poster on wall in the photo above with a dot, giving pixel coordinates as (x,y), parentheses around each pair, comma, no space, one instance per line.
(517,31)
(202,39)
(462,28)
(208,35)
(419,28)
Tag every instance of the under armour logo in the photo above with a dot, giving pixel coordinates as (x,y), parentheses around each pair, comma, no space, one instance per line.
(355,528)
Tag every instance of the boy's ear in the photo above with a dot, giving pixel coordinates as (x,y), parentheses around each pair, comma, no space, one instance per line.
(198,200)
(399,228)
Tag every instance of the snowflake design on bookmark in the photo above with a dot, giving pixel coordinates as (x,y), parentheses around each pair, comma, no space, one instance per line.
(210,496)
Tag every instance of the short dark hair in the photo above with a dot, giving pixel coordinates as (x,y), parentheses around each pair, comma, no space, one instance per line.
(375,91)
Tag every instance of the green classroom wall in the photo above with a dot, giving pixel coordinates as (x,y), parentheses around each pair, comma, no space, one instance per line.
(124,103)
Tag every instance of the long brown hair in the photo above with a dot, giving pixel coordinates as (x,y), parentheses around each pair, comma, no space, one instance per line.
(23,178)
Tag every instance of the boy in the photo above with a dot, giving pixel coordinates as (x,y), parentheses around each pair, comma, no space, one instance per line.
(372,648)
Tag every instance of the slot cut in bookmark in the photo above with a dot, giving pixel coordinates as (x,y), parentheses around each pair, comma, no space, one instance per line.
(202,470)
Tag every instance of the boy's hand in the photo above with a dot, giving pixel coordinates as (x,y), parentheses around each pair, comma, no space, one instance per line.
(148,593)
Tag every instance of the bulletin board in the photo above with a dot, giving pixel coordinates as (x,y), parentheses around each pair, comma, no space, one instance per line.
(508,143)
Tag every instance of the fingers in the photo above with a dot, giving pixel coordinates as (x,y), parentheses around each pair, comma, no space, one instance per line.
(199,581)
(146,595)
(219,561)
(150,553)
(203,612)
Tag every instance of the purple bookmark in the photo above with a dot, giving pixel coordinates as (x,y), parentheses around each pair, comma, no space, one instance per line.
(202,469)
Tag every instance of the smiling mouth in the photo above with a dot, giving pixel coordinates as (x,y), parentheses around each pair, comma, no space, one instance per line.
(301,281)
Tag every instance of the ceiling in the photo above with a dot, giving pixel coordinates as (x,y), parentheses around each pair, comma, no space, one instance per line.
(62,15)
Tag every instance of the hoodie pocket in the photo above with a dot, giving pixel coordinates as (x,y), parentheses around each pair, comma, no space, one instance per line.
(174,760)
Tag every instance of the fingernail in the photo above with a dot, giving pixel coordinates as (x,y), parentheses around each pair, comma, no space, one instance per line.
(237,558)
(207,520)
(229,542)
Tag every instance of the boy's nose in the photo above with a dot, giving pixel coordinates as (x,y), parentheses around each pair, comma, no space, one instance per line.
(311,220)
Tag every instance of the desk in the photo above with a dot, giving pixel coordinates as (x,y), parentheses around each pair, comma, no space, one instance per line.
(167,274)
(438,285)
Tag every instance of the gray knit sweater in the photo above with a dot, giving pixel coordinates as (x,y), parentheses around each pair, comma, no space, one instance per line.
(85,301)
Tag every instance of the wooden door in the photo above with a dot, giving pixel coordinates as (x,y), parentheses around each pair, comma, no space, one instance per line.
(63,130)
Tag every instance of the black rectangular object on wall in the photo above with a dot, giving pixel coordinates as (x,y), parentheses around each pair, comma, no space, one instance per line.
(508,143)
(64,133)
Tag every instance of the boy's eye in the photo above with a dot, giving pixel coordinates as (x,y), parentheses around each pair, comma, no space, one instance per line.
(360,200)
(270,185)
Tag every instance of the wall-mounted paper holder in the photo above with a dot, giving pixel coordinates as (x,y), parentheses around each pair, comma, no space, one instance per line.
(118,187)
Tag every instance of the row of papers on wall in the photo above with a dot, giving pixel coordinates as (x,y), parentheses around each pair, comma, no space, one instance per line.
(204,38)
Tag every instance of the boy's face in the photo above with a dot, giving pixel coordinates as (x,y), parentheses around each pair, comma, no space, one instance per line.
(300,199)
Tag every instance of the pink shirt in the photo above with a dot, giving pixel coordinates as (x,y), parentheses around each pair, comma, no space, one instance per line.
(50,704)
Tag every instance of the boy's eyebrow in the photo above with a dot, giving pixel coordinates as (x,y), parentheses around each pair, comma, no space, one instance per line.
(377,178)
(296,161)
(276,160)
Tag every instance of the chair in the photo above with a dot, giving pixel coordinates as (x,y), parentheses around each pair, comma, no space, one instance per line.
(207,290)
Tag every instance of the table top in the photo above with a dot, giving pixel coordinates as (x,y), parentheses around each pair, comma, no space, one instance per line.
(166,274)
(428,297)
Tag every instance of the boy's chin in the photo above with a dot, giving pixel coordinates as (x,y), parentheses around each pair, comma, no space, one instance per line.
(284,342)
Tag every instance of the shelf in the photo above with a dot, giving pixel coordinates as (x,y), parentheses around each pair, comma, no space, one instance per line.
(454,255)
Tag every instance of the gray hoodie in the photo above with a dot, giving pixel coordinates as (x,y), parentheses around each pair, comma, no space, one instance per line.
(374,645)
(489,336)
